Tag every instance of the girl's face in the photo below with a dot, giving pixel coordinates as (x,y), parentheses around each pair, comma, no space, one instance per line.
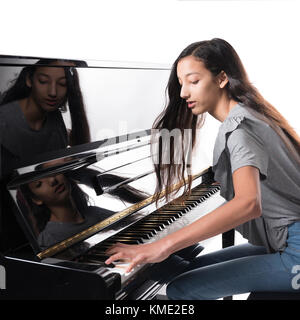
(199,87)
(48,87)
(50,190)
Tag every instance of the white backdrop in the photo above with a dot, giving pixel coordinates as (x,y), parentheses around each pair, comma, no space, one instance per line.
(264,33)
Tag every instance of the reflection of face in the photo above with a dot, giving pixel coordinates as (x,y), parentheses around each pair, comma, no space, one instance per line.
(198,85)
(50,190)
(48,87)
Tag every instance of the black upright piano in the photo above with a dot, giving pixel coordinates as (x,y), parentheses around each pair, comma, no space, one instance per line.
(111,183)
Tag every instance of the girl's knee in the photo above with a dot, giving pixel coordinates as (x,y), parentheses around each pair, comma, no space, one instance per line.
(178,290)
(173,292)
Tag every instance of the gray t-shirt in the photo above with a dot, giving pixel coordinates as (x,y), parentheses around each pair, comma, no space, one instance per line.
(20,141)
(245,140)
(55,232)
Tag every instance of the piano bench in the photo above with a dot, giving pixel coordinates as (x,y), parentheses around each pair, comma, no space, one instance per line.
(274,296)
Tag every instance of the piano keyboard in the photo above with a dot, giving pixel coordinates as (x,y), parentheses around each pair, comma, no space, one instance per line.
(171,217)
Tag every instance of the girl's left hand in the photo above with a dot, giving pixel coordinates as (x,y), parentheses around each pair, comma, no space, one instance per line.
(137,254)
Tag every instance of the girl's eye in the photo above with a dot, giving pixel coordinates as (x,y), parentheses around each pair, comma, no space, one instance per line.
(38,184)
(195,82)
(42,81)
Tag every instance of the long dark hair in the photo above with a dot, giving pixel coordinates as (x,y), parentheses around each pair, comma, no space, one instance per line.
(80,132)
(217,55)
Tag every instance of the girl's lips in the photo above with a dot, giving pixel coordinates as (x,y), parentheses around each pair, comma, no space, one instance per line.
(60,188)
(51,102)
(191,104)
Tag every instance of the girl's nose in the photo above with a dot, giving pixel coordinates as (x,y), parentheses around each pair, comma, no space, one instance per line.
(52,90)
(184,93)
(52,181)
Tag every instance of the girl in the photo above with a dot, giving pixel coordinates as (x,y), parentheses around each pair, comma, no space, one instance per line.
(30,111)
(256,161)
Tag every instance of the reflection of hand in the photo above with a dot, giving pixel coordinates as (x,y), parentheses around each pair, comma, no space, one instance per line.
(137,254)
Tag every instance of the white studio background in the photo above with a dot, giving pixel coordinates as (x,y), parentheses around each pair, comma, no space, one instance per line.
(265,34)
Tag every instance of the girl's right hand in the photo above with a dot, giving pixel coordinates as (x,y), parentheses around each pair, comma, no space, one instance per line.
(137,254)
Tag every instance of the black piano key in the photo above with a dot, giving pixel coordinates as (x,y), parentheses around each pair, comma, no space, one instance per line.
(192,203)
(120,238)
(177,206)
(157,220)
(209,188)
(169,217)
(132,231)
(172,208)
(144,235)
(147,228)
(140,228)
(201,194)
(150,225)
(95,260)
(200,191)
(175,214)
(162,224)
(159,217)
(198,197)
(125,241)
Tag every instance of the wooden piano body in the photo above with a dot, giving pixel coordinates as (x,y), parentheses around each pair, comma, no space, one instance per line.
(115,171)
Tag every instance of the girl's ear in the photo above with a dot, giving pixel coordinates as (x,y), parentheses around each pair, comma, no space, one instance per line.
(37,201)
(223,79)
(28,81)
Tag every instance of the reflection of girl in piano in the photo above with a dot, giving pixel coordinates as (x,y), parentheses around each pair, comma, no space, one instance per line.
(60,209)
(30,110)
(256,161)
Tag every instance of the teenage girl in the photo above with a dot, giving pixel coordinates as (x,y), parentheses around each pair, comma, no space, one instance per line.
(256,160)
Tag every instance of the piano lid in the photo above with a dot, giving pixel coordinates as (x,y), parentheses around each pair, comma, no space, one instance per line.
(11,60)
(102,100)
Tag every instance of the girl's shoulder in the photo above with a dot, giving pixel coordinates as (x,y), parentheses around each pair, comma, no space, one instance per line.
(241,128)
(10,115)
(243,117)
(8,108)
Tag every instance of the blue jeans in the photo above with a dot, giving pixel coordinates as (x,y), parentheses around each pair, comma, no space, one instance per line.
(240,269)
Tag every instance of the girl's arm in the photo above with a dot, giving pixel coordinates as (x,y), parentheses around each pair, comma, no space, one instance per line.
(245,206)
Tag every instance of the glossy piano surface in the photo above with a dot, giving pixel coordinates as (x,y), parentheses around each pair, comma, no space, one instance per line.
(101,106)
